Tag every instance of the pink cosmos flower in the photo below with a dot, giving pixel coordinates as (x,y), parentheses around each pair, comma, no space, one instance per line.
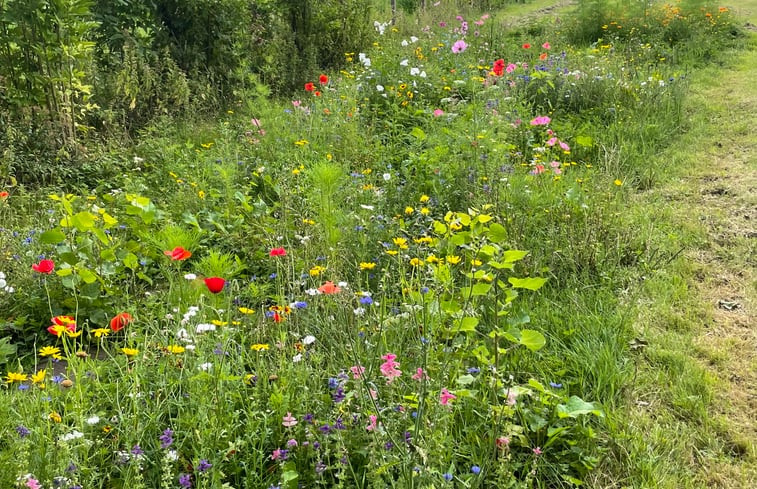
(541,121)
(564,146)
(33,484)
(389,367)
(438,112)
(511,67)
(459,46)
(552,141)
(546,45)
(445,397)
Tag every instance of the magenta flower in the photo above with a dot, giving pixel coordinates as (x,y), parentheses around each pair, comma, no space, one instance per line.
(372,423)
(541,121)
(459,46)
(389,367)
(438,112)
(445,397)
(420,374)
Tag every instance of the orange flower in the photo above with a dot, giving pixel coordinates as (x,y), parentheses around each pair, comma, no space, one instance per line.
(178,253)
(120,320)
(329,288)
(4,195)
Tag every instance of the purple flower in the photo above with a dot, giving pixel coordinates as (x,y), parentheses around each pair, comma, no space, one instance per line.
(447,476)
(366,300)
(166,439)
(22,431)
(137,450)
(475,469)
(185,480)
(203,466)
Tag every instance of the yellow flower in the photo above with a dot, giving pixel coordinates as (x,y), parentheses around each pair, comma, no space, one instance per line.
(432,259)
(424,198)
(475,262)
(367,171)
(218,322)
(248,379)
(259,347)
(129,352)
(175,349)
(201,194)
(416,262)
(245,310)
(367,265)
(392,252)
(100,332)
(409,210)
(618,182)
(455,226)
(425,211)
(207,145)
(39,377)
(423,240)
(400,243)
(15,377)
(309,222)
(301,142)
(75,334)
(50,351)
(453,259)
(317,270)
(55,417)
(367,186)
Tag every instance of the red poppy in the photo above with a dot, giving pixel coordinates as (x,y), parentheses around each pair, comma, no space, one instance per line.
(323,79)
(215,284)
(4,195)
(120,320)
(543,56)
(309,87)
(276,317)
(178,253)
(317,93)
(278,252)
(527,46)
(329,288)
(499,67)
(44,266)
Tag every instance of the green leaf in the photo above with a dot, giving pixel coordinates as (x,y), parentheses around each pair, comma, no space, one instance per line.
(466,379)
(536,385)
(533,340)
(64,272)
(497,233)
(87,275)
(440,228)
(418,133)
(576,407)
(53,236)
(531,283)
(511,256)
(83,221)
(460,239)
(584,141)
(481,289)
(466,324)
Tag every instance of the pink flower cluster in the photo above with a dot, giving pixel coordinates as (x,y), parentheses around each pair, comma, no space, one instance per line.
(389,369)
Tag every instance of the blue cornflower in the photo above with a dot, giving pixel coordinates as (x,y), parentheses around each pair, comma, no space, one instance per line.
(300,305)
(366,300)
(475,469)
(447,476)
(555,385)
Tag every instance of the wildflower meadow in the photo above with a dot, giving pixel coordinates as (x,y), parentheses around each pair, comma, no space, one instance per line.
(413,268)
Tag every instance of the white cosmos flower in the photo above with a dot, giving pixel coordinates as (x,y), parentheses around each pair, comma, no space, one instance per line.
(308,340)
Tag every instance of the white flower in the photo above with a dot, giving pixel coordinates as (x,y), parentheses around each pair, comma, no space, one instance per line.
(72,436)
(205,327)
(190,348)
(404,62)
(423,74)
(365,60)
(205,366)
(367,207)
(413,39)
(359,311)
(3,283)
(343,285)
(172,456)
(92,420)
(297,358)
(182,335)
(308,340)
(415,71)
(312,292)
(404,43)
(379,88)
(380,27)
(190,276)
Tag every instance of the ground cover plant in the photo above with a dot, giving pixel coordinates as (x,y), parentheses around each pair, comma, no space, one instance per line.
(413,272)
